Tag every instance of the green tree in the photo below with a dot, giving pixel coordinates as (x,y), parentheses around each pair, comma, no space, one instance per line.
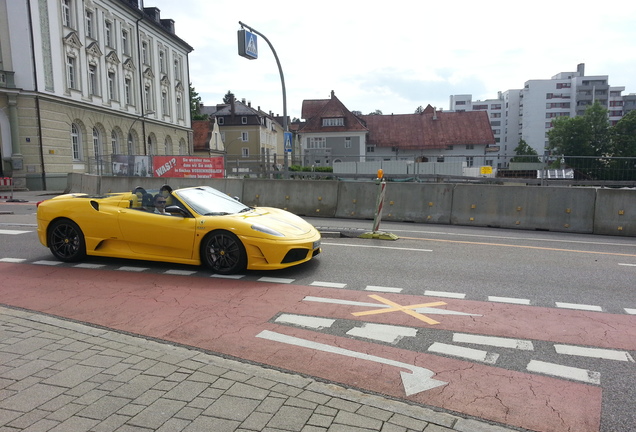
(525,153)
(229,96)
(376,112)
(195,105)
(623,136)
(586,135)
(582,138)
(419,110)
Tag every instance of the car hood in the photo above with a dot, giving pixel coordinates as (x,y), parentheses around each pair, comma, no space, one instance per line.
(280,220)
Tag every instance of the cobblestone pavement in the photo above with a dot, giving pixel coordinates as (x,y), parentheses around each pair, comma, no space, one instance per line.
(63,376)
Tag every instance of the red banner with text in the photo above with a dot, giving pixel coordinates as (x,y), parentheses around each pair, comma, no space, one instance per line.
(187,166)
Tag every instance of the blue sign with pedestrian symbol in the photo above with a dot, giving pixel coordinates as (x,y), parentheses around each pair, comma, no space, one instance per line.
(288,142)
(247,44)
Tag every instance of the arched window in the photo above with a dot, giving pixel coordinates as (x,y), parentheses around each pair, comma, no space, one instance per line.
(76,142)
(114,142)
(131,146)
(168,144)
(97,144)
(151,147)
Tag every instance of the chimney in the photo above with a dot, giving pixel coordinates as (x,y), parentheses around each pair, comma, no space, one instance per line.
(434,113)
(249,104)
(332,94)
(243,101)
(580,68)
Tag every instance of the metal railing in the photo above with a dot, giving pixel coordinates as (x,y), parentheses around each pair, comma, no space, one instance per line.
(541,170)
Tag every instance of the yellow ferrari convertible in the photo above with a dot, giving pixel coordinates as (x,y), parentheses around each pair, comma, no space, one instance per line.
(196,225)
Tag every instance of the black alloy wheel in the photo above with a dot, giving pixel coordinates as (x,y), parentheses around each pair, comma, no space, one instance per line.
(66,241)
(223,252)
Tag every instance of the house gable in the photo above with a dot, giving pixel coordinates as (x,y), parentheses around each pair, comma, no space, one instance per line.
(329,116)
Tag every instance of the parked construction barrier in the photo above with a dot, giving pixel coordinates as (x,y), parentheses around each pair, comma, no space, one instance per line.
(6,188)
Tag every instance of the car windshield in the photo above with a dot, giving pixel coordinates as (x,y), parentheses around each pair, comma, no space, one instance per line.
(208,201)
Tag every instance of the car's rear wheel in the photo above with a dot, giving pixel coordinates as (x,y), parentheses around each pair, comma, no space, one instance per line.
(66,241)
(223,252)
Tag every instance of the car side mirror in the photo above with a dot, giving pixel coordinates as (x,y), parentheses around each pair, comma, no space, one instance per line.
(173,209)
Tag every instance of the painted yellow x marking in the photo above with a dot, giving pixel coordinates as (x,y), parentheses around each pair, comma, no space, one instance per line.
(406,309)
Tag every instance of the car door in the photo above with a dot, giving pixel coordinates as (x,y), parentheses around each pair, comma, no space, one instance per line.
(152,234)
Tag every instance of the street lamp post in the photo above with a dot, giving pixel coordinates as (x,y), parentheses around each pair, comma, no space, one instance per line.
(282,81)
(143,129)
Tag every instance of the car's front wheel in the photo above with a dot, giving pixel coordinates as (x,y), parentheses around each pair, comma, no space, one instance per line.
(223,252)
(66,241)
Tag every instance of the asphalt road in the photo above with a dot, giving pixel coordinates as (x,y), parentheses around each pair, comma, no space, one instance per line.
(570,296)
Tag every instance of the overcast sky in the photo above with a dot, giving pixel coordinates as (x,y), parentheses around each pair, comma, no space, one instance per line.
(394,56)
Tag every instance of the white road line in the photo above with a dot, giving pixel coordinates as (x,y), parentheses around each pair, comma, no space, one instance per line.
(601,353)
(89,266)
(561,371)
(13,260)
(306,321)
(13,232)
(220,276)
(630,311)
(132,269)
(328,284)
(629,265)
(579,307)
(509,300)
(468,353)
(383,289)
(179,272)
(444,294)
(377,247)
(49,263)
(276,280)
(519,344)
(382,332)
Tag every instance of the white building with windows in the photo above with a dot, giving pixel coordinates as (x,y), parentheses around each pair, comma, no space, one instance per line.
(529,113)
(82,81)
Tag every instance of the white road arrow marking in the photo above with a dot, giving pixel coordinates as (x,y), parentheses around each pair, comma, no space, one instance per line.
(418,380)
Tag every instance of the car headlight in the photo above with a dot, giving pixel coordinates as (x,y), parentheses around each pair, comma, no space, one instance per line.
(266,230)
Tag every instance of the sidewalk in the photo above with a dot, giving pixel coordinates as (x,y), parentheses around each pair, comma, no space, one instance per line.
(64,376)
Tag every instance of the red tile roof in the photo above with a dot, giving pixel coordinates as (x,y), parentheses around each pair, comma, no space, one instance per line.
(429,130)
(315,110)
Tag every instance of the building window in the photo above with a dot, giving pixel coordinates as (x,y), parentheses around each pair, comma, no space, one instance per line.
(164,103)
(71,78)
(460,102)
(66,13)
(177,70)
(480,107)
(470,146)
(147,105)
(114,142)
(124,42)
(179,107)
(89,25)
(220,120)
(162,61)
(144,52)
(245,136)
(127,92)
(317,143)
(76,142)
(92,80)
(131,146)
(469,161)
(339,121)
(370,149)
(348,142)
(245,152)
(108,33)
(243,120)
(97,144)
(111,86)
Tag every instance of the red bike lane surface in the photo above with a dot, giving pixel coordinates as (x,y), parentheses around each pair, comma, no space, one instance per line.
(235,318)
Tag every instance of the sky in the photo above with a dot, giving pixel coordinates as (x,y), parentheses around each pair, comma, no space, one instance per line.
(398,55)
